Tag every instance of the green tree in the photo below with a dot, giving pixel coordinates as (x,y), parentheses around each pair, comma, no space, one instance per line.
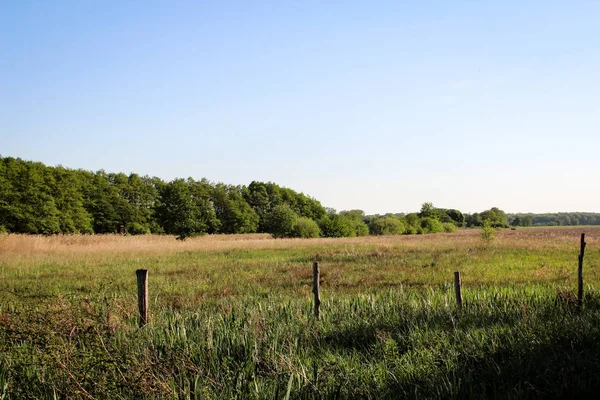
(335,225)
(413,224)
(487,231)
(185,209)
(355,218)
(281,220)
(101,201)
(27,204)
(497,217)
(264,197)
(449,227)
(387,226)
(258,197)
(431,225)
(428,211)
(456,217)
(140,195)
(344,224)
(305,228)
(472,220)
(67,192)
(232,210)
(9,197)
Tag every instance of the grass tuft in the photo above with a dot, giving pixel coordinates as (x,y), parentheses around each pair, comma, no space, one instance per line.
(231,317)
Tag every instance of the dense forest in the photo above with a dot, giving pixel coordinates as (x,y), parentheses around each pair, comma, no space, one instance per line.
(39,199)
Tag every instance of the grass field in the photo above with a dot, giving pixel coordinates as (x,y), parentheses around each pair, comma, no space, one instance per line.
(230,317)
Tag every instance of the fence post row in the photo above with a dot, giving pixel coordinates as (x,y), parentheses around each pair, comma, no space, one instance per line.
(457,292)
(316,287)
(580,272)
(142,286)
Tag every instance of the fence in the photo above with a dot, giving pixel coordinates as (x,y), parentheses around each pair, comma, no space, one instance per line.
(142,286)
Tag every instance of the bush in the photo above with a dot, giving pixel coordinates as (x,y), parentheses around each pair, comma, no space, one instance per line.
(281,220)
(430,225)
(496,217)
(156,228)
(449,227)
(135,228)
(355,219)
(343,225)
(457,217)
(410,230)
(335,225)
(387,226)
(487,231)
(305,228)
(360,228)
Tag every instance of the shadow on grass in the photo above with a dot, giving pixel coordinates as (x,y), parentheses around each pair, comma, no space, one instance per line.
(549,351)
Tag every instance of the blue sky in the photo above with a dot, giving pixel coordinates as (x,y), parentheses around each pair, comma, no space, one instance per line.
(378,105)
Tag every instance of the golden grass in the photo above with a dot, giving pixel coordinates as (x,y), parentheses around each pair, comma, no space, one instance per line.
(30,245)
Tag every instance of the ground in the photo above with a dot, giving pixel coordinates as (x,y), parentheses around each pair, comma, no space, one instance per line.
(231,316)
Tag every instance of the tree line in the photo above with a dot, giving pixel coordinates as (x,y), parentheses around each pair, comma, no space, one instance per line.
(40,199)
(554,219)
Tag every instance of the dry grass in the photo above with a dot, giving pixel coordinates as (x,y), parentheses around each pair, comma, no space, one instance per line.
(230,316)
(30,245)
(113,243)
(222,265)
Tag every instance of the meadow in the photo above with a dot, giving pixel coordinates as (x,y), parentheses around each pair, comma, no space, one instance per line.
(231,317)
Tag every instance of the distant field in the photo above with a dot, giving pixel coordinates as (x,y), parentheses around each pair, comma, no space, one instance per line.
(231,317)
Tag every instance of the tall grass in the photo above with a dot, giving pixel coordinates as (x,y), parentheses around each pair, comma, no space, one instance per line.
(232,318)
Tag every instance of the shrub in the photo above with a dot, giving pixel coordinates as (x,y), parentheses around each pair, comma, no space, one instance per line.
(335,225)
(281,220)
(305,228)
(156,228)
(496,217)
(487,231)
(449,227)
(412,219)
(343,225)
(457,217)
(387,226)
(431,225)
(135,228)
(360,228)
(410,230)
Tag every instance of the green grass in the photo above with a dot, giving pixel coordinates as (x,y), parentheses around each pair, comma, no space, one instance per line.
(235,321)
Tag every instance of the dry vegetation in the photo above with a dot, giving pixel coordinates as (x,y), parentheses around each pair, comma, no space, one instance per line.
(238,263)
(536,238)
(230,317)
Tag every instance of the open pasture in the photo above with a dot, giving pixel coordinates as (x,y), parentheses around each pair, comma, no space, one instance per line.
(230,317)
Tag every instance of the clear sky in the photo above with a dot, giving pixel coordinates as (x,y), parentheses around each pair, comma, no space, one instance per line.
(376,105)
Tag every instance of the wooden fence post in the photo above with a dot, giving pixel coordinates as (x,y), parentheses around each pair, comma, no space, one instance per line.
(316,287)
(142,286)
(457,284)
(580,272)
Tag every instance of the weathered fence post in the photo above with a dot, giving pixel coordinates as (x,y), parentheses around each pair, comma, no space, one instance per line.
(580,272)
(316,288)
(142,285)
(457,284)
